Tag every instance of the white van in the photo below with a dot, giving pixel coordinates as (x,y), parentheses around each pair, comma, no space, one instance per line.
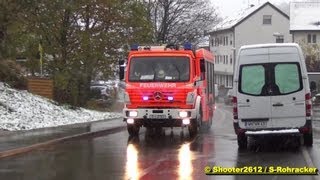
(271,92)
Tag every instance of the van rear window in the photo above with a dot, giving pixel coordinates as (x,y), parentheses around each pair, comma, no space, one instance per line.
(253,79)
(287,78)
(270,79)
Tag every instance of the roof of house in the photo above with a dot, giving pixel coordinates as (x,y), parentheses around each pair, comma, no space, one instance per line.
(304,16)
(231,22)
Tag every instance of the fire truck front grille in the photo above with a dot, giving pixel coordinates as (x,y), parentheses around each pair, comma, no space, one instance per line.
(156,97)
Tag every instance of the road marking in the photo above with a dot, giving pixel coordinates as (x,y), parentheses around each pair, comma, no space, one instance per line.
(151,168)
(308,160)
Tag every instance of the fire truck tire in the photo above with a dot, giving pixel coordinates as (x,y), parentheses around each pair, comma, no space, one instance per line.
(193,128)
(149,131)
(158,131)
(194,124)
(133,130)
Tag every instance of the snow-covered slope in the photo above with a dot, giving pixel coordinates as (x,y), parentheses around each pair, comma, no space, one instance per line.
(21,110)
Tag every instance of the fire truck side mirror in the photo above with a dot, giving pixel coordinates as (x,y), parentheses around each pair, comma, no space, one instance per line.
(121,69)
(202,66)
(202,69)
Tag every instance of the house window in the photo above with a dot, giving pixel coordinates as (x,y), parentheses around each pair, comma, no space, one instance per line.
(227,40)
(309,38)
(266,19)
(230,59)
(279,39)
(227,79)
(314,38)
(227,59)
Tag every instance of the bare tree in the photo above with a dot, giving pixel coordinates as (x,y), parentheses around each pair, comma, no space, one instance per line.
(285,7)
(178,21)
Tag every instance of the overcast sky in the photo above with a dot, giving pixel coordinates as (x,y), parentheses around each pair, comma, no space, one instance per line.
(229,7)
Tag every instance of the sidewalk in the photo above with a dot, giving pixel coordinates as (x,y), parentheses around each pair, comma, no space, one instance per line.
(316,119)
(16,139)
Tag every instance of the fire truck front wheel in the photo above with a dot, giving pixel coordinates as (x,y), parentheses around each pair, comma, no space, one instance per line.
(194,124)
(133,129)
(193,128)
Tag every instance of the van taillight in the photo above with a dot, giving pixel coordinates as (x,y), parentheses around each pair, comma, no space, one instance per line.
(235,107)
(308,105)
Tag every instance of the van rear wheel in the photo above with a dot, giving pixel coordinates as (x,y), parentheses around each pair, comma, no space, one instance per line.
(242,141)
(308,139)
(133,129)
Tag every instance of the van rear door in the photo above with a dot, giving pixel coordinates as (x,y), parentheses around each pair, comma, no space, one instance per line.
(288,102)
(253,105)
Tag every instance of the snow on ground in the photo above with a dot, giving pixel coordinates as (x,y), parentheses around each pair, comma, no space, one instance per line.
(21,110)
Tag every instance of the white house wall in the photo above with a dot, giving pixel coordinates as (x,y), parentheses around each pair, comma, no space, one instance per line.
(250,31)
(253,31)
(302,36)
(223,50)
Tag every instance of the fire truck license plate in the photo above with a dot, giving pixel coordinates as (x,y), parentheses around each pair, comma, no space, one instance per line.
(157,116)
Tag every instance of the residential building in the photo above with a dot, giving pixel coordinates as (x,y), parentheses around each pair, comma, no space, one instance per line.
(264,23)
(305,30)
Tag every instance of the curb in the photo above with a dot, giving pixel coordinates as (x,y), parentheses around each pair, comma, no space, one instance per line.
(26,149)
(71,126)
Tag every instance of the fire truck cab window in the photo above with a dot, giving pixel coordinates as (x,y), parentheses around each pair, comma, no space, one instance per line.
(150,69)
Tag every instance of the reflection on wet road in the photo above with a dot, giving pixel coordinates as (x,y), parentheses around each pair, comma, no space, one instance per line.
(168,156)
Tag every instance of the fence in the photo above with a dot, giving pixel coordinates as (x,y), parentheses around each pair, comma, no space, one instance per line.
(41,86)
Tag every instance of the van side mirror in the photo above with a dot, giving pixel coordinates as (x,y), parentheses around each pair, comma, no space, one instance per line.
(121,69)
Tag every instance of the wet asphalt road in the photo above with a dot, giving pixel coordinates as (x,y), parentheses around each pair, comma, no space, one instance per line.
(159,157)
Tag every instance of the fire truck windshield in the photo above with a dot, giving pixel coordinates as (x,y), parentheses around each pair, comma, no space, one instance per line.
(159,69)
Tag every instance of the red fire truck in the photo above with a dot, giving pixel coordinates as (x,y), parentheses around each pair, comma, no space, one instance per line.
(168,86)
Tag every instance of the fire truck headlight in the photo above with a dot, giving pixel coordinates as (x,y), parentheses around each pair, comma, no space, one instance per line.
(190,98)
(145,98)
(183,114)
(126,97)
(186,121)
(133,114)
(130,121)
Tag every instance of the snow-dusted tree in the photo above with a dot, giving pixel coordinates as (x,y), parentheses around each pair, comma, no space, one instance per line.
(178,21)
(83,38)
(312,55)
